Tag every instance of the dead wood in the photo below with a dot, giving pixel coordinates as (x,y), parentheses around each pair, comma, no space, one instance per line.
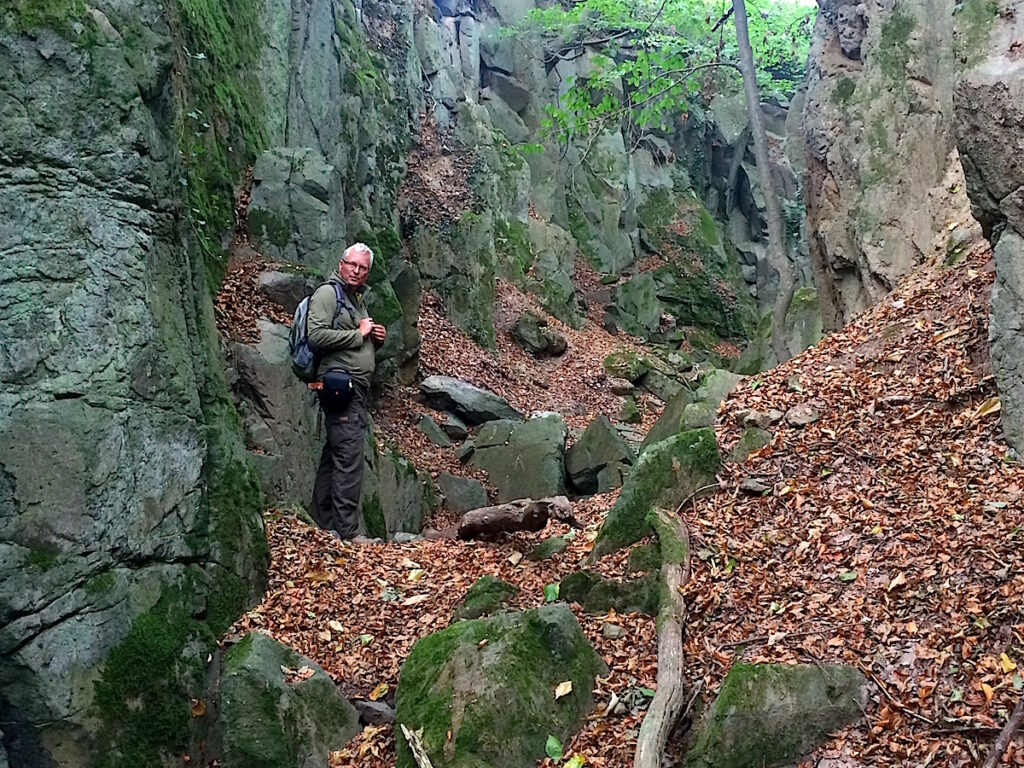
(668,701)
(1005,736)
(520,515)
(415,741)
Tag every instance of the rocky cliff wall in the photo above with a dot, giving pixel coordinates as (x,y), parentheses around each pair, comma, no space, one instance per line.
(129,516)
(990,135)
(883,176)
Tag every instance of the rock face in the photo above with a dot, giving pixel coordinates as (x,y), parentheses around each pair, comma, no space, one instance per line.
(879,134)
(772,714)
(491,703)
(127,505)
(462,494)
(523,460)
(472,404)
(396,497)
(666,473)
(266,720)
(990,135)
(597,461)
(533,334)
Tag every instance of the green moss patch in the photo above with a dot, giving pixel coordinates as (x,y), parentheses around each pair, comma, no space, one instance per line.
(599,595)
(486,596)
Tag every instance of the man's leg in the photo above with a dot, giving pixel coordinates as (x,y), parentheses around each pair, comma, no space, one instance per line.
(320,508)
(347,435)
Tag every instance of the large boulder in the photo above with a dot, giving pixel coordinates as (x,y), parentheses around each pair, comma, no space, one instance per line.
(396,497)
(483,691)
(523,460)
(773,714)
(665,474)
(277,708)
(472,404)
(278,415)
(286,288)
(597,460)
(990,135)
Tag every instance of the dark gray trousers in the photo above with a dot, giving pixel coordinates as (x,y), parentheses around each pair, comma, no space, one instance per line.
(339,478)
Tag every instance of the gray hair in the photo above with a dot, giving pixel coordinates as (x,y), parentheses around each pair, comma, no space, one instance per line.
(358,248)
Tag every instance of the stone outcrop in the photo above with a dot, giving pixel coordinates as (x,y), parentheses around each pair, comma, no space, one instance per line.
(990,135)
(883,175)
(599,459)
(130,531)
(523,460)
(491,702)
(278,708)
(473,404)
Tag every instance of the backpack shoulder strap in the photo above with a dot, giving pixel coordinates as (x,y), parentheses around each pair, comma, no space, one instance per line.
(339,295)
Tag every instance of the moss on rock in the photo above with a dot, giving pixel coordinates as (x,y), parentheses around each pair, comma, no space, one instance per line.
(599,595)
(626,364)
(486,596)
(666,473)
(491,703)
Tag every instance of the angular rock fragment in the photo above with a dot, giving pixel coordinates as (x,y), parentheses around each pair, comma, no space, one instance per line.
(599,447)
(472,404)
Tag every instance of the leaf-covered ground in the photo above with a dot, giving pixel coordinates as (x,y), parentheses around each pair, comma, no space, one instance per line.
(890,538)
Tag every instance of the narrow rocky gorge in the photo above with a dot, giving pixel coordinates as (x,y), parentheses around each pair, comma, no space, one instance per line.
(581,321)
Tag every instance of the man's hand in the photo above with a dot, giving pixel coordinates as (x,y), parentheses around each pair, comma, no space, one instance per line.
(366,326)
(378,333)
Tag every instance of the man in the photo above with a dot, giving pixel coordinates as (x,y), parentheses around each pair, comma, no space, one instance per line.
(345,336)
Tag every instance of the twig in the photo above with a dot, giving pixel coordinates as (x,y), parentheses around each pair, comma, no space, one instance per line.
(899,705)
(765,639)
(700,490)
(1005,736)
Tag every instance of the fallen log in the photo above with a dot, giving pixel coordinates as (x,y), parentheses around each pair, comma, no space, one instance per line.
(995,755)
(520,515)
(668,701)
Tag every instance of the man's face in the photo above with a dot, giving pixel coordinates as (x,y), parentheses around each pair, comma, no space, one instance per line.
(355,268)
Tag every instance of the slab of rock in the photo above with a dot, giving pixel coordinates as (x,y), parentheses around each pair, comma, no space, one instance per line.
(374,712)
(547,549)
(629,413)
(533,334)
(754,486)
(773,714)
(523,460)
(462,494)
(286,288)
(433,432)
(600,445)
(486,596)
(267,719)
(597,594)
(669,422)
(625,364)
(455,427)
(472,404)
(482,690)
(752,439)
(612,631)
(801,415)
(395,496)
(662,386)
(665,474)
(621,387)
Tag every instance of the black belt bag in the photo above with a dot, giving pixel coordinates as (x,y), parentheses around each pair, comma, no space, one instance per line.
(337,392)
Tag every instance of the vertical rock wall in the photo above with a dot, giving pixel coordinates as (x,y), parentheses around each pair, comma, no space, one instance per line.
(129,516)
(990,134)
(884,178)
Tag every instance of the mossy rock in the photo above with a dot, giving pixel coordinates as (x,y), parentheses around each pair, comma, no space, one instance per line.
(670,421)
(626,365)
(629,413)
(548,549)
(269,722)
(752,439)
(492,703)
(486,596)
(666,473)
(644,559)
(599,595)
(772,714)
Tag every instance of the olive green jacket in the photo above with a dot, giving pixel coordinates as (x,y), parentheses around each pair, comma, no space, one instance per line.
(341,346)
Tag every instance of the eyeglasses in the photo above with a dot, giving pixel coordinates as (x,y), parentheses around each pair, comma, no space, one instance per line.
(355,267)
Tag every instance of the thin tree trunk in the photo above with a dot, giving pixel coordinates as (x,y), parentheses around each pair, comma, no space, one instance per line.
(667,704)
(776,248)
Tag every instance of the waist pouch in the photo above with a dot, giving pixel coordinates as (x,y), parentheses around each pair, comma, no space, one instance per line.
(337,392)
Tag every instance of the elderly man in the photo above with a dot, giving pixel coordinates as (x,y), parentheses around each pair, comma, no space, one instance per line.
(346,338)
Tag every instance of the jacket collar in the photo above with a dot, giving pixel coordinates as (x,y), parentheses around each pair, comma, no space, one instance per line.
(358,294)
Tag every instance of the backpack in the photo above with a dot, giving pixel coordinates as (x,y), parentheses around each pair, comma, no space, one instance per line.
(305,358)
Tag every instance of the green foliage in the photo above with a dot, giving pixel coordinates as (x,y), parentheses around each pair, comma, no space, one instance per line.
(656,58)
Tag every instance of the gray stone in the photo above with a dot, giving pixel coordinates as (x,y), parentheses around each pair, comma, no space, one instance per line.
(268,720)
(286,288)
(433,432)
(374,712)
(662,386)
(395,496)
(278,415)
(454,427)
(296,211)
(754,486)
(752,439)
(510,90)
(523,460)
(472,404)
(1006,334)
(469,54)
(525,656)
(612,631)
(596,594)
(504,118)
(547,549)
(462,493)
(599,447)
(774,714)
(670,421)
(621,387)
(533,334)
(404,537)
(802,415)
(429,45)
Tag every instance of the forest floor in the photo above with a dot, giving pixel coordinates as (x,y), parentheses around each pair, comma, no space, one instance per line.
(890,537)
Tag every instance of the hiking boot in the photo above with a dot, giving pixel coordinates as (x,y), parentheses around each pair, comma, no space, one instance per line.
(360,539)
